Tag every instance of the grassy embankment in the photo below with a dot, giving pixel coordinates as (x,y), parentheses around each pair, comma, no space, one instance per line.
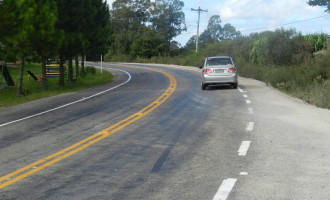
(33,89)
(309,81)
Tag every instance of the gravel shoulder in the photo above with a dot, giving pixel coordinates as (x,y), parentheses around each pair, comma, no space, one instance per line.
(290,155)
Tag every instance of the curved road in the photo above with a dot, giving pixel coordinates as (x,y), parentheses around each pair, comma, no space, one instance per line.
(154,134)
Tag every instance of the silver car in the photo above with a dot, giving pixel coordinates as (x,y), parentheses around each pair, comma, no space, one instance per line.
(219,70)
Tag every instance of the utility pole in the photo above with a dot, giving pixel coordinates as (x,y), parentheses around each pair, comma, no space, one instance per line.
(199,10)
(101,64)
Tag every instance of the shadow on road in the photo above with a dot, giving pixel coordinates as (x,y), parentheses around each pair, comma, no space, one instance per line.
(219,87)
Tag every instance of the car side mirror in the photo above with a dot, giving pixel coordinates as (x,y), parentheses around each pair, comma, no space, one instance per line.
(201,67)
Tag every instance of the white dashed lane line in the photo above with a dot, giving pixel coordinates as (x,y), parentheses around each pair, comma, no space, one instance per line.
(244,148)
(250,126)
(244,174)
(228,184)
(225,189)
(239,89)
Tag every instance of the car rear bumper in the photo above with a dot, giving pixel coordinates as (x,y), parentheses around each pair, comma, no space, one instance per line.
(219,79)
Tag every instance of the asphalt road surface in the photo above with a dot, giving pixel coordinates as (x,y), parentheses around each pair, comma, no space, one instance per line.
(152,133)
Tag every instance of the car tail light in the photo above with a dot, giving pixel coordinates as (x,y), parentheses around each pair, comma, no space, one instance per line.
(232,70)
(207,71)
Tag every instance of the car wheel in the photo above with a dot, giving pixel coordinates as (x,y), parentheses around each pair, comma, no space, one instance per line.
(204,86)
(235,85)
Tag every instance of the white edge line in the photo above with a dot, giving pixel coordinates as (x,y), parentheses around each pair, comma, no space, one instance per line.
(65,105)
(168,66)
(225,189)
(244,148)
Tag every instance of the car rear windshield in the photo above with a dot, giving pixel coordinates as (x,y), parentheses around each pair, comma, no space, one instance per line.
(218,61)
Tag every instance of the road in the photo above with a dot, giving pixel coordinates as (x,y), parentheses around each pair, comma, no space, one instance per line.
(152,133)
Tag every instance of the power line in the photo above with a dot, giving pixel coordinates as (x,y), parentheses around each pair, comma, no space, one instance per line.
(252,7)
(255,29)
(249,8)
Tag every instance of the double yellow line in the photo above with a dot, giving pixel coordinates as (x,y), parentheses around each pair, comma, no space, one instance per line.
(79,146)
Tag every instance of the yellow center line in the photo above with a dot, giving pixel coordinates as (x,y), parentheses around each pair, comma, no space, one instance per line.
(34,167)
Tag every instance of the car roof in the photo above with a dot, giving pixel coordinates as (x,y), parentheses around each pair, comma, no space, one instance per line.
(219,57)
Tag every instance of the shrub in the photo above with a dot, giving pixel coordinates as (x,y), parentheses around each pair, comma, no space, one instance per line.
(91,69)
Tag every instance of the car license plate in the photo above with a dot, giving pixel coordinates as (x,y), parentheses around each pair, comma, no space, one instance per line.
(218,71)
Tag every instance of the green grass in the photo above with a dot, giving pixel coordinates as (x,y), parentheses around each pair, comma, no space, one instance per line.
(33,90)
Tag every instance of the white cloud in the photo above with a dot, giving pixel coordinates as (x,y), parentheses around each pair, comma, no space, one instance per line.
(274,10)
(110,2)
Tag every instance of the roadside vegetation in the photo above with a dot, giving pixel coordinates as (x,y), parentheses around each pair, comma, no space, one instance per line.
(285,59)
(33,89)
(39,30)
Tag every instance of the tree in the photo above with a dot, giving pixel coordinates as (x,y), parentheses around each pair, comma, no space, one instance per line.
(8,28)
(133,21)
(7,22)
(130,14)
(214,29)
(279,47)
(95,29)
(229,32)
(320,3)
(191,44)
(70,21)
(169,19)
(31,28)
(46,40)
(86,27)
(98,40)
(150,44)
(215,32)
(20,16)
(129,19)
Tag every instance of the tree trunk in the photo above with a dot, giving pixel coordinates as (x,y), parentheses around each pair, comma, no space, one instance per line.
(77,67)
(43,75)
(61,81)
(70,71)
(20,77)
(83,64)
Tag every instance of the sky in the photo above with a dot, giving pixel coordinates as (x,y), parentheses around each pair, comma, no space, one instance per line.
(250,16)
